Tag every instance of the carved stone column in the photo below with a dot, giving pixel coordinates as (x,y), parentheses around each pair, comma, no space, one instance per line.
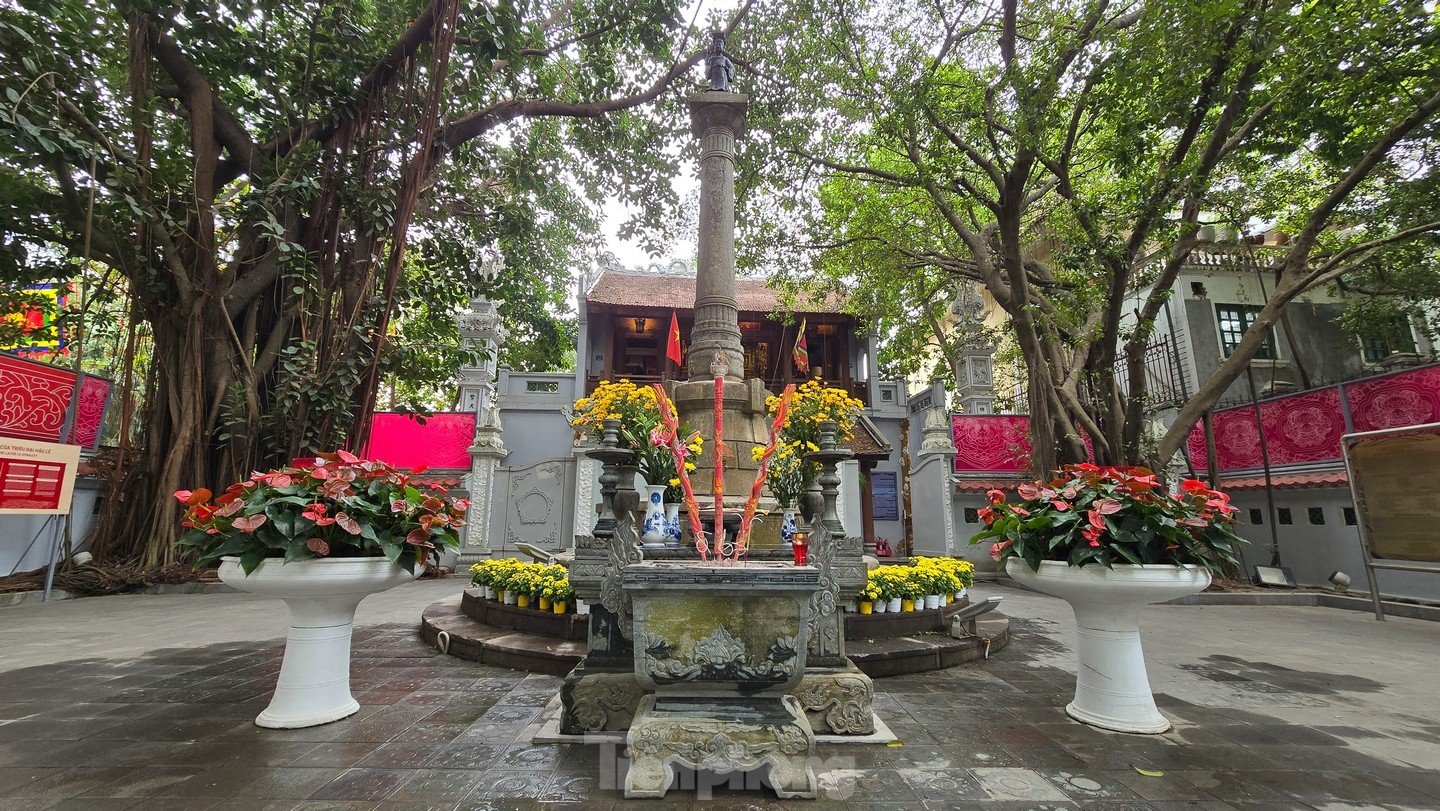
(938,443)
(486,454)
(837,697)
(481,332)
(717,122)
(601,693)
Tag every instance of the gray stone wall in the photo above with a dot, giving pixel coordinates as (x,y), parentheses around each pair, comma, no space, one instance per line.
(532,411)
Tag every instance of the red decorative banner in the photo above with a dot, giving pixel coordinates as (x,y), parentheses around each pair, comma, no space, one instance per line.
(1306,428)
(89,414)
(1391,401)
(34,399)
(991,443)
(442,442)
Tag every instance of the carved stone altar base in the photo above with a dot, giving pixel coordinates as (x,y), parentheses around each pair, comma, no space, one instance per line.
(721,646)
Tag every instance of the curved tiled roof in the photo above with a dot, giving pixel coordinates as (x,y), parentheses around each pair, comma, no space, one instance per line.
(659,290)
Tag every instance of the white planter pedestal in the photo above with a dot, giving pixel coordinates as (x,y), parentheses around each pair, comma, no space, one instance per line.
(1112,689)
(314,683)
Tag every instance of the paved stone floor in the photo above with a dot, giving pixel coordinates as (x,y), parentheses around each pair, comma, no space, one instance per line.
(147,701)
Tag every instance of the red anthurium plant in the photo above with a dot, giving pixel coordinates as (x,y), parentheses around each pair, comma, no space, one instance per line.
(1108,515)
(332,505)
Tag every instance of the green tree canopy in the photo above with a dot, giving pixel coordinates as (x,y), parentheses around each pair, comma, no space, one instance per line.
(1064,154)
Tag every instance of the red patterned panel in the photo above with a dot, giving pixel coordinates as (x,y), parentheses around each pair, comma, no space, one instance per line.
(90,412)
(1303,428)
(442,442)
(1393,401)
(1237,440)
(991,443)
(1195,443)
(33,399)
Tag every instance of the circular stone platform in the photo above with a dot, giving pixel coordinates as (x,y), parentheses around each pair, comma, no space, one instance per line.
(481,630)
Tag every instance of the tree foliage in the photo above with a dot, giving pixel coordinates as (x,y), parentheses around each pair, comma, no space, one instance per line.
(296,195)
(1065,154)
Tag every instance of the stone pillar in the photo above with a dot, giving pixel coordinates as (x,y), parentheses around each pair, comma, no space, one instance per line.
(601,693)
(937,460)
(481,332)
(717,120)
(838,698)
(977,390)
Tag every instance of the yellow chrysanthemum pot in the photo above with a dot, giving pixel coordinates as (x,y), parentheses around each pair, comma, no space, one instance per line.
(522,600)
(558,606)
(907,604)
(867,607)
(544,603)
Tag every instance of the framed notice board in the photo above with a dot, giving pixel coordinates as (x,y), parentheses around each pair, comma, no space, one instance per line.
(36,478)
(885,495)
(1399,511)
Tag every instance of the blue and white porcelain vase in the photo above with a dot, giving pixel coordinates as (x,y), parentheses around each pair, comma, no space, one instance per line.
(788,526)
(672,524)
(653,530)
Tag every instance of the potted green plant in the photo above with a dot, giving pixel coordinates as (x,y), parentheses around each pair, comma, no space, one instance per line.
(320,534)
(1109,541)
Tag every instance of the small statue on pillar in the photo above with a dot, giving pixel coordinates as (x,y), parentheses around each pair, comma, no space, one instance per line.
(719,70)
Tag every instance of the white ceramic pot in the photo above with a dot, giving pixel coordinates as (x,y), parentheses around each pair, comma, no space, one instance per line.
(1112,690)
(893,606)
(511,597)
(959,595)
(314,683)
(879,607)
(489,593)
(933,601)
(581,607)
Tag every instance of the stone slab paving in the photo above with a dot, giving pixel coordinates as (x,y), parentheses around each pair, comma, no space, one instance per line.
(146,702)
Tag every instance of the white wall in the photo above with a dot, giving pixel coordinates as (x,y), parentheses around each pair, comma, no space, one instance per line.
(1313,551)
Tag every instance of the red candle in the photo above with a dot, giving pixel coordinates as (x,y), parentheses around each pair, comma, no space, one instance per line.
(719,453)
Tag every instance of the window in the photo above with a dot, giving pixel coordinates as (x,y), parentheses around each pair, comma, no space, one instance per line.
(1350,519)
(1317,515)
(1283,515)
(1234,319)
(1256,516)
(972,515)
(1392,336)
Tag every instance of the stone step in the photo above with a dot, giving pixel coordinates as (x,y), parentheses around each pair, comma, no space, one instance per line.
(898,655)
(501,647)
(467,638)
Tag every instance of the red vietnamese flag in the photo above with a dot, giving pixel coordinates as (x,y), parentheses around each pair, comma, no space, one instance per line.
(802,351)
(672,349)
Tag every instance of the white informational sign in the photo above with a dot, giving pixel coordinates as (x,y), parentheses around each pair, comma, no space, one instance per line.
(36,478)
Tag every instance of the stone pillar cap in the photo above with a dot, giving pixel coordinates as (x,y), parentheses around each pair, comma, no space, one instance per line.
(716,107)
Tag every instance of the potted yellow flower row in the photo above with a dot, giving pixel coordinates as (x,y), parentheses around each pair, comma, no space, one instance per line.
(924,583)
(514,582)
